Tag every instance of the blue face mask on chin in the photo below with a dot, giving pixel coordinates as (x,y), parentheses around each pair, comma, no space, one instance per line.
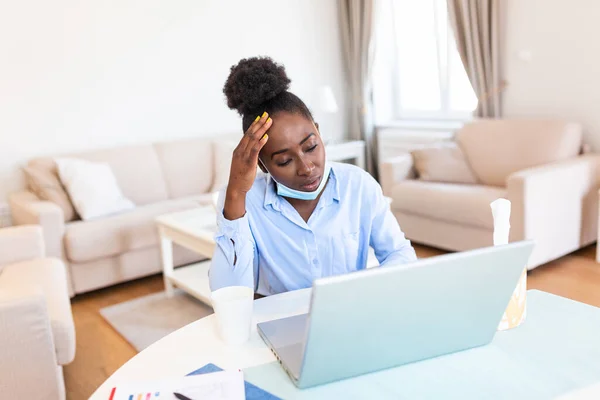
(285,191)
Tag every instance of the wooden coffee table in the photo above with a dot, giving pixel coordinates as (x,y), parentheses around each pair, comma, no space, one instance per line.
(193,229)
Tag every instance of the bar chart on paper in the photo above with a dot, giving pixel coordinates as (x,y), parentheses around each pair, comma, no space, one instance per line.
(224,385)
(139,396)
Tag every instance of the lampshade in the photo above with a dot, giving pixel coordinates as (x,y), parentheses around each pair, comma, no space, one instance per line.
(326,100)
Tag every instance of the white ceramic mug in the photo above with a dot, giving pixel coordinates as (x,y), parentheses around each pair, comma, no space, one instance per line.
(233,310)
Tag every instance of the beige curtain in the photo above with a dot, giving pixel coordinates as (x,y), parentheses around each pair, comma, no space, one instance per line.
(356,23)
(476,25)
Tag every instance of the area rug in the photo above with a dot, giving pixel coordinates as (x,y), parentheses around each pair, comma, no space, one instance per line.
(145,320)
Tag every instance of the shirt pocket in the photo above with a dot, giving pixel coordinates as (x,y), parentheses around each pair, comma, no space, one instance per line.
(344,253)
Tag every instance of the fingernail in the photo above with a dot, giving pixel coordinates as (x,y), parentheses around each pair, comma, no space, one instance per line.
(257,118)
(264,136)
(269,119)
(265,113)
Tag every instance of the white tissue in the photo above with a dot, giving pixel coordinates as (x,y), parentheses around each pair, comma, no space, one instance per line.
(501,214)
(517,308)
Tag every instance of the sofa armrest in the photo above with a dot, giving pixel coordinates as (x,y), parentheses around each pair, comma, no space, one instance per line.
(20,243)
(49,276)
(29,367)
(394,170)
(28,209)
(556,205)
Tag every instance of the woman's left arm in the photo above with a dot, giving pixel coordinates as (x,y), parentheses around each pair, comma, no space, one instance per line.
(387,239)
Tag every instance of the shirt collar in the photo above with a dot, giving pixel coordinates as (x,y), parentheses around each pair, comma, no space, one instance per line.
(330,193)
(271,197)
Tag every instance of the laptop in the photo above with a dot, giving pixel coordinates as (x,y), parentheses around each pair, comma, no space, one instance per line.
(385,317)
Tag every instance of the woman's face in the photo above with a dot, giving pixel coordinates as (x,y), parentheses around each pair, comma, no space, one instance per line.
(294,154)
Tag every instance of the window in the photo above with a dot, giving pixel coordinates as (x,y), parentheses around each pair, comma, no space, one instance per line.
(418,73)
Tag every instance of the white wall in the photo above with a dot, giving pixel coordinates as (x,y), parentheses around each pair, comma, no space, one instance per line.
(562,76)
(80,75)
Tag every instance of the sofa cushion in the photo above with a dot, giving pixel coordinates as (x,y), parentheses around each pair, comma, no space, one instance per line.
(48,275)
(463,204)
(44,182)
(110,236)
(223,153)
(204,199)
(497,148)
(108,271)
(443,162)
(136,168)
(187,166)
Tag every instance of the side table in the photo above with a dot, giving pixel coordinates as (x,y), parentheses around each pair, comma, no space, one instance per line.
(347,150)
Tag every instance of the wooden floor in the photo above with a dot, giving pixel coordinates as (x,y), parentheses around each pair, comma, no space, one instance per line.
(101,351)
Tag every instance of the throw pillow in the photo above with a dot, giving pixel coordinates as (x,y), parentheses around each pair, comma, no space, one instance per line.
(444,162)
(92,187)
(45,184)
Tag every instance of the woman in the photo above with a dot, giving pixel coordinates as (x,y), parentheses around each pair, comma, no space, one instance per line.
(306,218)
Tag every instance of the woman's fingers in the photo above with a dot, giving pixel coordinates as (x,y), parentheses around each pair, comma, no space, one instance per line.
(256,148)
(256,125)
(258,134)
(251,131)
(245,155)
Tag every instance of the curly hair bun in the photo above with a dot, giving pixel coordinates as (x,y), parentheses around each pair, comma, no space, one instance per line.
(254,81)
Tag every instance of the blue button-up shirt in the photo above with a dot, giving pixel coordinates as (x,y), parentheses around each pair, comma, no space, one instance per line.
(278,251)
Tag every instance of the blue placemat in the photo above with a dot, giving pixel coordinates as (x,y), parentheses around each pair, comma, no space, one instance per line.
(252,392)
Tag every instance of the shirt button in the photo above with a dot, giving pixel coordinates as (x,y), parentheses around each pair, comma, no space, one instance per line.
(315,261)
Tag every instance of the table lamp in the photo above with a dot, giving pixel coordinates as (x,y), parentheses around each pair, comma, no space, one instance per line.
(326,105)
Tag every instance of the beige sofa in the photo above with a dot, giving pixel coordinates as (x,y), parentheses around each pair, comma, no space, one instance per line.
(537,164)
(159,178)
(37,334)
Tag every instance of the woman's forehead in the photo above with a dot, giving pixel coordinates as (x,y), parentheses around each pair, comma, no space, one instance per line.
(288,127)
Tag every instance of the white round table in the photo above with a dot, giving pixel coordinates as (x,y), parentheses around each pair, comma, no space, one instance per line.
(198,344)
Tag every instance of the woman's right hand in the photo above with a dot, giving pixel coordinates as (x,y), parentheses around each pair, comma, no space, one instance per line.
(243,167)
